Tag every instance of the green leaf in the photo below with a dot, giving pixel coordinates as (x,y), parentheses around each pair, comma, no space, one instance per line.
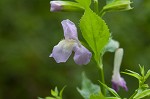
(54,92)
(94,31)
(100,96)
(84,3)
(142,70)
(142,94)
(50,98)
(111,90)
(88,87)
(97,96)
(61,92)
(147,75)
(132,73)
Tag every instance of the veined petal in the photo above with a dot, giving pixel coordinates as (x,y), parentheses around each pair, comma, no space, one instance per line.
(70,30)
(62,50)
(82,55)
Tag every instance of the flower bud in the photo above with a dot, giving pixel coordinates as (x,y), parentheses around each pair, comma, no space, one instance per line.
(64,6)
(112,46)
(117,5)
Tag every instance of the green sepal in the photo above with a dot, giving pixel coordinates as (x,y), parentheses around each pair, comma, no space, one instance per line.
(117,5)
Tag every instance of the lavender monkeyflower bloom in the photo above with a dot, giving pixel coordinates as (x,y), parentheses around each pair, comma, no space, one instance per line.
(62,51)
(117,80)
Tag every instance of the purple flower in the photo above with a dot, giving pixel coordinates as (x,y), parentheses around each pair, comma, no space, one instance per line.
(117,80)
(55,6)
(62,51)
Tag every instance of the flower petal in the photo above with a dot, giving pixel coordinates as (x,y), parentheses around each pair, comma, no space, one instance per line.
(62,50)
(118,81)
(82,55)
(55,6)
(70,30)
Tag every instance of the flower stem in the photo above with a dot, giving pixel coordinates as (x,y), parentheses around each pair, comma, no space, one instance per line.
(100,66)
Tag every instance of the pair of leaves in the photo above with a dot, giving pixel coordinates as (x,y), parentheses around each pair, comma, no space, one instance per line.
(55,93)
(141,77)
(142,94)
(143,90)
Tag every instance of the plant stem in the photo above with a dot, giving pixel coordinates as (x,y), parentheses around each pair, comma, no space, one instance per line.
(102,13)
(96,9)
(134,94)
(100,66)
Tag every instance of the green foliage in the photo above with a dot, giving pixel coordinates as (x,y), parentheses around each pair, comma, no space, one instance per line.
(94,31)
(143,90)
(84,3)
(117,5)
(55,93)
(98,96)
(142,94)
(111,90)
(88,88)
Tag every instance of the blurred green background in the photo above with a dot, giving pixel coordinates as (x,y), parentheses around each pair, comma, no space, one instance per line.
(28,32)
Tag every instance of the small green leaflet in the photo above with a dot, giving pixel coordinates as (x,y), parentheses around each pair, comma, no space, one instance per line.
(147,75)
(84,3)
(55,93)
(132,73)
(143,94)
(94,31)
